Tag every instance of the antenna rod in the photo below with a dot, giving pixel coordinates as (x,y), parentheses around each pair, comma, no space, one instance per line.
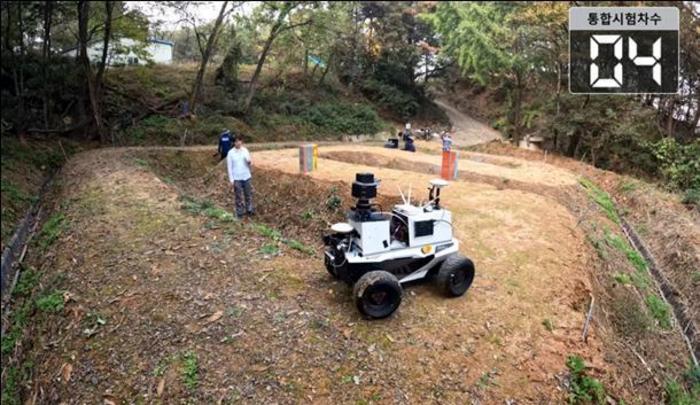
(402,196)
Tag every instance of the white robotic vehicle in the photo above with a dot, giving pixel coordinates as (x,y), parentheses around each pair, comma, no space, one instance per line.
(378,252)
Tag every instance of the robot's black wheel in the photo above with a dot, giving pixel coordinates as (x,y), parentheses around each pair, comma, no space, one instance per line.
(455,275)
(377,294)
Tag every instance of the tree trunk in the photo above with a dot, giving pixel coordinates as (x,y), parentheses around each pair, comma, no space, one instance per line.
(328,67)
(19,71)
(517,109)
(211,42)
(83,16)
(261,59)
(258,69)
(227,73)
(306,61)
(46,54)
(109,7)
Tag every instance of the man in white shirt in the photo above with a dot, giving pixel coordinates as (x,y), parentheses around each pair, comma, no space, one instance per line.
(238,164)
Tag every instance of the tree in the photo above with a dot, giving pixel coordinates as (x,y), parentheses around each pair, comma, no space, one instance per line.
(227,73)
(206,54)
(491,48)
(278,13)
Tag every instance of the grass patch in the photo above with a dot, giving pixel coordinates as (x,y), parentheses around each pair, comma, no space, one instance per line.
(691,196)
(13,194)
(207,209)
(9,389)
(27,281)
(268,232)
(640,278)
(627,186)
(583,389)
(630,318)
(632,255)
(659,310)
(190,370)
(51,230)
(52,302)
(296,245)
(334,202)
(19,320)
(601,198)
(686,392)
(269,249)
(622,278)
(548,324)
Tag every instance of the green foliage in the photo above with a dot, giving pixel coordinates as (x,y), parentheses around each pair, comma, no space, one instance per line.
(679,164)
(296,245)
(602,198)
(190,370)
(269,249)
(659,310)
(548,324)
(52,229)
(27,281)
(622,278)
(12,193)
(391,97)
(691,196)
(19,319)
(344,118)
(334,202)
(206,208)
(268,232)
(632,255)
(677,394)
(583,389)
(11,386)
(52,302)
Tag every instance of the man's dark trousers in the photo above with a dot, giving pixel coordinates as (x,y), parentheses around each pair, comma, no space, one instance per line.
(243,189)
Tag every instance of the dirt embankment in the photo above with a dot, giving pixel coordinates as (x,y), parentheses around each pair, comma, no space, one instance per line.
(669,228)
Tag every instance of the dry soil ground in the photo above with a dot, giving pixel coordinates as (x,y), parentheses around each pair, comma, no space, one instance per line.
(167,299)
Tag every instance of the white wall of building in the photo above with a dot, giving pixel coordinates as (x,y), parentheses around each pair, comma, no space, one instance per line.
(122,52)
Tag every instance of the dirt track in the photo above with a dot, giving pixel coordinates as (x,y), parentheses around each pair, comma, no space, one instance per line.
(527,250)
(274,327)
(466,130)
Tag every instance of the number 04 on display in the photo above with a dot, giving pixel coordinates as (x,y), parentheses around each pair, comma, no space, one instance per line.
(623,49)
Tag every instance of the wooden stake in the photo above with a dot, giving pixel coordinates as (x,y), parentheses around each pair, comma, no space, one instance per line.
(588,320)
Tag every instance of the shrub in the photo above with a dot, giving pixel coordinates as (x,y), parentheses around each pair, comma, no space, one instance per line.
(190,370)
(692,196)
(344,118)
(52,229)
(601,198)
(391,97)
(583,389)
(659,310)
(52,302)
(679,164)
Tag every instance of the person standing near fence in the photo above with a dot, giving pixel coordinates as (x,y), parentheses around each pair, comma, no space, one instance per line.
(238,164)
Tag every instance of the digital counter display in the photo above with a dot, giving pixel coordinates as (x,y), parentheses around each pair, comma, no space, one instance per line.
(623,50)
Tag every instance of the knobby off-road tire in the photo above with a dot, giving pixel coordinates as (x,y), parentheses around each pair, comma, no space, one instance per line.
(377,294)
(455,275)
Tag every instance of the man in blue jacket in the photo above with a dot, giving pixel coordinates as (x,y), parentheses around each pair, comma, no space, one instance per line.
(225,143)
